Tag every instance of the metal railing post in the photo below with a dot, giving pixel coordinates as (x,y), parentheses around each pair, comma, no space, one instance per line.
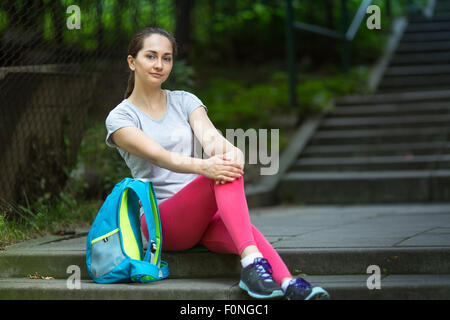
(345,53)
(388,9)
(290,53)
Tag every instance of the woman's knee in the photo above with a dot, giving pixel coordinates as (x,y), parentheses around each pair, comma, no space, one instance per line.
(205,180)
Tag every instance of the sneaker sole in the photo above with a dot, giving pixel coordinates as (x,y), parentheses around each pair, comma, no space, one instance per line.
(274,294)
(318,293)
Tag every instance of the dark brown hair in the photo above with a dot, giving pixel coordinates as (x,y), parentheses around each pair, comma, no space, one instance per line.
(136,44)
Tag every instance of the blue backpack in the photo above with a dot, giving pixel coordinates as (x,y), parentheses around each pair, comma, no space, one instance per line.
(114,248)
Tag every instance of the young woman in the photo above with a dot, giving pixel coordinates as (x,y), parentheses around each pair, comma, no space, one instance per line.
(201,201)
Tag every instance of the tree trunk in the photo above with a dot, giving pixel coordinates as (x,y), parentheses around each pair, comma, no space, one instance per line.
(100,32)
(154,13)
(183,26)
(329,8)
(58,13)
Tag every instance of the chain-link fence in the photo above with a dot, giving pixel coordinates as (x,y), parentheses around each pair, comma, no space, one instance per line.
(59,61)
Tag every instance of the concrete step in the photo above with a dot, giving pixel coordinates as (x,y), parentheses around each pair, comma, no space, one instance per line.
(371,122)
(316,257)
(412,88)
(408,162)
(418,70)
(437,17)
(192,265)
(398,98)
(425,36)
(339,286)
(420,58)
(365,150)
(366,136)
(410,83)
(365,187)
(392,287)
(442,6)
(428,26)
(167,289)
(55,263)
(417,47)
(440,107)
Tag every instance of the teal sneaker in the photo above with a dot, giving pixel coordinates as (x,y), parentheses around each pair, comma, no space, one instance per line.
(300,289)
(257,280)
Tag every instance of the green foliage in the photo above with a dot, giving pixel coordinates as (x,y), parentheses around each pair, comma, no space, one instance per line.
(48,214)
(234,104)
(183,75)
(317,92)
(3,21)
(402,7)
(95,154)
(221,31)
(246,12)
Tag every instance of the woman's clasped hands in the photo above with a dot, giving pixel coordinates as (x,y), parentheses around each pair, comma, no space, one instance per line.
(223,168)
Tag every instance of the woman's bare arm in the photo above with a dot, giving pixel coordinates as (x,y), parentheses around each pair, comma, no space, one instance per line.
(212,141)
(136,142)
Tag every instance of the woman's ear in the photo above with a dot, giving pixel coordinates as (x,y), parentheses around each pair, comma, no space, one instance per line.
(131,64)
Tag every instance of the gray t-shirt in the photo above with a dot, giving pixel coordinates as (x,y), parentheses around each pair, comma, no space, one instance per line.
(173,132)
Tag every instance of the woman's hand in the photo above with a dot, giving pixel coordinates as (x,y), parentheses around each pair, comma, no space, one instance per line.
(222,169)
(236,155)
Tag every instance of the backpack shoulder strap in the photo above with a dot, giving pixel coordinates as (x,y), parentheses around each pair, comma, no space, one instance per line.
(146,194)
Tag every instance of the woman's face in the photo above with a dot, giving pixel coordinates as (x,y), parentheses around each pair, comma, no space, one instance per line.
(154,61)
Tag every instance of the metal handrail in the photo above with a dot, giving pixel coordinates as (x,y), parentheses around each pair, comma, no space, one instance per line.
(346,36)
(319,30)
(357,20)
(349,35)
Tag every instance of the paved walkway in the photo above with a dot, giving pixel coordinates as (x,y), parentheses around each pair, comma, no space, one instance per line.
(392,226)
(321,226)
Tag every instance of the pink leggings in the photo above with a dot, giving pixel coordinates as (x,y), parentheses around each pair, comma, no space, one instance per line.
(215,216)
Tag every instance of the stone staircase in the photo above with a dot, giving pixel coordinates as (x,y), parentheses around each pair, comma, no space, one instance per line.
(391,146)
(422,59)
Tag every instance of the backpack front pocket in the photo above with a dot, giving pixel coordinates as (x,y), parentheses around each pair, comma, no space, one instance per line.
(106,253)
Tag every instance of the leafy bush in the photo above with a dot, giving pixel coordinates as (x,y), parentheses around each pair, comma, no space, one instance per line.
(233,104)
(98,165)
(317,93)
